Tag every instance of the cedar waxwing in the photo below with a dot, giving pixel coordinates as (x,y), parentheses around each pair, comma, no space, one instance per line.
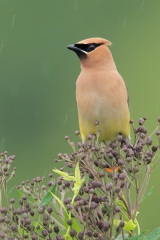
(101,93)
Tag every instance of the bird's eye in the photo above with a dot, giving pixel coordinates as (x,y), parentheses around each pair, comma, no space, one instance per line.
(91,47)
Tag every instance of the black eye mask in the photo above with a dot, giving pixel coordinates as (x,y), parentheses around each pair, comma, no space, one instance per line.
(87,47)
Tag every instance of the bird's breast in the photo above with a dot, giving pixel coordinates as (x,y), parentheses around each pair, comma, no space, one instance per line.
(102,97)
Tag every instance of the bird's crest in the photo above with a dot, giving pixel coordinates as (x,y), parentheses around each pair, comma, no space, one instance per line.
(96,40)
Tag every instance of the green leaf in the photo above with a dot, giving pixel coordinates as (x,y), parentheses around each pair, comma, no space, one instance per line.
(136,237)
(67,237)
(129,226)
(66,217)
(154,235)
(60,202)
(137,224)
(22,231)
(20,193)
(78,181)
(121,238)
(75,225)
(124,212)
(77,173)
(40,226)
(48,196)
(121,205)
(65,175)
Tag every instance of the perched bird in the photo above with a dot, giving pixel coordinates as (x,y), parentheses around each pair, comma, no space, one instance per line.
(101,93)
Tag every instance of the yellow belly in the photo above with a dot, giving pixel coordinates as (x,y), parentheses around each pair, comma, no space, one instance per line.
(109,128)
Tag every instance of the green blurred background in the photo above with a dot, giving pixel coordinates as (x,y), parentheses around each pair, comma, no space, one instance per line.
(38,74)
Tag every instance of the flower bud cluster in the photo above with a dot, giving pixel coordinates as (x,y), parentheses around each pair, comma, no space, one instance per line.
(51,208)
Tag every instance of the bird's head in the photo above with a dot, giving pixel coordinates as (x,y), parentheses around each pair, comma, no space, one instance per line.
(92,51)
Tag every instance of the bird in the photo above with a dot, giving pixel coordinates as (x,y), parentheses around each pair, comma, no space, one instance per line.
(101,93)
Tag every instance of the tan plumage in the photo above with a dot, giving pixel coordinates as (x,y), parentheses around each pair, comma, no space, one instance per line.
(101,93)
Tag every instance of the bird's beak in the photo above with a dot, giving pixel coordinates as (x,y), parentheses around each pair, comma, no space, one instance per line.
(81,54)
(73,48)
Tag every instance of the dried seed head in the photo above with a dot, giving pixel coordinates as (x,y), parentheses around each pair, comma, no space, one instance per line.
(43,187)
(69,222)
(41,209)
(97,163)
(100,224)
(106,226)
(50,175)
(69,165)
(49,209)
(117,189)
(94,205)
(118,228)
(154,148)
(73,233)
(121,224)
(90,137)
(6,219)
(60,155)
(91,190)
(56,229)
(59,180)
(3,211)
(128,159)
(86,189)
(141,121)
(120,138)
(12,200)
(109,186)
(120,162)
(148,141)
(122,184)
(80,235)
(13,228)
(136,169)
(66,138)
(101,174)
(89,233)
(44,233)
(58,237)
(104,164)
(95,234)
(49,230)
(96,184)
(117,209)
(122,176)
(77,132)
(69,207)
(34,237)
